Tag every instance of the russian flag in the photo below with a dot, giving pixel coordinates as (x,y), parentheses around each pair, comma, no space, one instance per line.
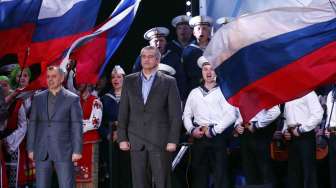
(45,27)
(274,56)
(17,24)
(58,25)
(93,52)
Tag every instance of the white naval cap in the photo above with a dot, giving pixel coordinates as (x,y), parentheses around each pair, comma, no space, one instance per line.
(166,69)
(201,61)
(118,70)
(224,20)
(182,19)
(200,20)
(156,32)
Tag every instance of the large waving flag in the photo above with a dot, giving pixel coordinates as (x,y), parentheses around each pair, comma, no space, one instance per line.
(17,24)
(93,52)
(58,25)
(46,27)
(274,56)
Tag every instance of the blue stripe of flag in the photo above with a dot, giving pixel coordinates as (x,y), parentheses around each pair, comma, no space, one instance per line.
(15,13)
(117,33)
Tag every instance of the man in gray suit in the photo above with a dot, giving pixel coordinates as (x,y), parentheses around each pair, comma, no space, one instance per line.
(150,119)
(55,132)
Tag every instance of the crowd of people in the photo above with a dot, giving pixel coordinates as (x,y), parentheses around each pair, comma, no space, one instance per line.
(127,136)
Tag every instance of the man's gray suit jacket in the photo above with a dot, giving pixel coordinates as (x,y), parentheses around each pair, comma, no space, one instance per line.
(59,136)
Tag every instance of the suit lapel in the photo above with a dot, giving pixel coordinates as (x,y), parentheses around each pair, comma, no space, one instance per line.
(138,87)
(59,102)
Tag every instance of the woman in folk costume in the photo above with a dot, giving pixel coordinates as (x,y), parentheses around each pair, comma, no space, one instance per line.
(116,167)
(20,169)
(86,169)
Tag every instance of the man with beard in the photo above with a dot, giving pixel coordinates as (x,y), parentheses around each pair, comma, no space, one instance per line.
(183,34)
(157,38)
(201,29)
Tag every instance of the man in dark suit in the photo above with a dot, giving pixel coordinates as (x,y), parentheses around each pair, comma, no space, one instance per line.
(150,119)
(55,132)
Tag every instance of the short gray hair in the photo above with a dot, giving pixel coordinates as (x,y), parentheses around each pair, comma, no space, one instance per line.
(56,68)
(157,51)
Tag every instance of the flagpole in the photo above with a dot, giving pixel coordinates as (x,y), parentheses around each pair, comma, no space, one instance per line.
(23,66)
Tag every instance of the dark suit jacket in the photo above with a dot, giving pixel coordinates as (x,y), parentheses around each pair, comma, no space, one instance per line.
(60,135)
(154,124)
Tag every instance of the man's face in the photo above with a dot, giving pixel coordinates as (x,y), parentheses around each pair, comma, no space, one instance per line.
(5,86)
(148,59)
(202,32)
(183,32)
(208,73)
(54,79)
(160,43)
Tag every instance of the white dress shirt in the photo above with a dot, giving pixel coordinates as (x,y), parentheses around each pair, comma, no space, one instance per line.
(266,117)
(208,108)
(306,111)
(263,118)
